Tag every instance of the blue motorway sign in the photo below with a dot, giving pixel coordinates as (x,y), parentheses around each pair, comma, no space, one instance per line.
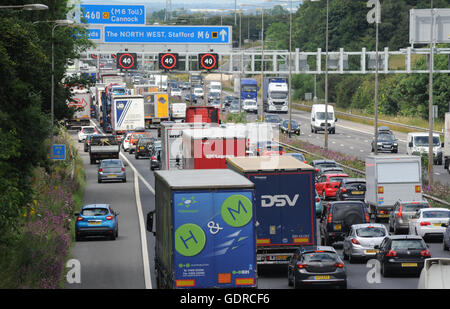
(113,14)
(59,152)
(168,34)
(94,34)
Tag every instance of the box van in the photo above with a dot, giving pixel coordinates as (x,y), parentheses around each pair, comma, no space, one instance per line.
(417,143)
(318,118)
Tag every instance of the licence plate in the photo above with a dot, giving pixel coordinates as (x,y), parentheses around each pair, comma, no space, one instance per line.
(357,192)
(94,222)
(141,148)
(282,257)
(383,216)
(337,227)
(437,224)
(371,251)
(322,277)
(112,176)
(409,264)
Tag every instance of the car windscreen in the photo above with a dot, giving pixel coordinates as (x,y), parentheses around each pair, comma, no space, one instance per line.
(414,207)
(320,257)
(88,130)
(341,211)
(321,116)
(423,141)
(386,137)
(280,95)
(436,214)
(336,179)
(408,244)
(361,186)
(94,212)
(371,231)
(108,163)
(103,141)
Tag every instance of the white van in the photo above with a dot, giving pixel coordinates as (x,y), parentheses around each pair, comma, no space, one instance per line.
(318,118)
(215,87)
(417,143)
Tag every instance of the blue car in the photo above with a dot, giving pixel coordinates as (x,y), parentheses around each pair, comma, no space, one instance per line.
(97,220)
(318,205)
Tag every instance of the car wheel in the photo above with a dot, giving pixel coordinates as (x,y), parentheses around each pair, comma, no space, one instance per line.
(113,236)
(290,281)
(296,284)
(124,180)
(345,255)
(444,246)
(78,238)
(99,180)
(351,259)
(384,271)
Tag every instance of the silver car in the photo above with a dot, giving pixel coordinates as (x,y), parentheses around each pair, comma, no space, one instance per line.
(111,169)
(401,215)
(361,240)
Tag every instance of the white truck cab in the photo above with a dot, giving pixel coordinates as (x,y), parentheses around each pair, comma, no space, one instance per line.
(318,118)
(417,144)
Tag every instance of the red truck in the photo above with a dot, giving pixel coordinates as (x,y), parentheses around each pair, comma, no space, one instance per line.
(203,114)
(209,148)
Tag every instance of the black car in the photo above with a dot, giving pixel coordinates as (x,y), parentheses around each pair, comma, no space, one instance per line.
(402,254)
(316,266)
(352,189)
(213,96)
(386,141)
(228,99)
(188,98)
(155,155)
(295,127)
(274,119)
(143,147)
(338,217)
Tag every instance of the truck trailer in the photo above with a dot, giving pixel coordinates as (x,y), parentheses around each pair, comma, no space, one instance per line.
(204,230)
(390,178)
(81,100)
(285,205)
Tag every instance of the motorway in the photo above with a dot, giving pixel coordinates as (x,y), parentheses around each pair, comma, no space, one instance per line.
(128,262)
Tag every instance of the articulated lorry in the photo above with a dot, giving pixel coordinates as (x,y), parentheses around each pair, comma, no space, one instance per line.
(285,205)
(390,178)
(81,100)
(156,108)
(127,113)
(204,230)
(276,94)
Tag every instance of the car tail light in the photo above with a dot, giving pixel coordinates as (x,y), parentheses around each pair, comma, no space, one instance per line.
(301,265)
(317,199)
(109,217)
(418,189)
(380,190)
(153,158)
(355,241)
(391,253)
(339,265)
(100,169)
(343,190)
(425,253)
(316,170)
(330,218)
(367,217)
(399,214)
(123,169)
(80,218)
(425,223)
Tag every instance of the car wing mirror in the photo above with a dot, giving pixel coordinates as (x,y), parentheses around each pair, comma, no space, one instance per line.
(376,247)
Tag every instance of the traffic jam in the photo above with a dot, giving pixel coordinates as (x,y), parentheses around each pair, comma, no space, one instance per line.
(232,202)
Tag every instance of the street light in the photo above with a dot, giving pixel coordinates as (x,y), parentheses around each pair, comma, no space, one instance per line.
(26,7)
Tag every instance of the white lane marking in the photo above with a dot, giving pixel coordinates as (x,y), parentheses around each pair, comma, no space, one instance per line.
(142,230)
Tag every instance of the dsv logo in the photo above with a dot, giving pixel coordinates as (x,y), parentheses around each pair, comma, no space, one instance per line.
(278,200)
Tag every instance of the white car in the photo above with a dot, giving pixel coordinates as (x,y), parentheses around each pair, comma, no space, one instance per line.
(175,92)
(249,105)
(428,222)
(85,131)
(126,142)
(198,92)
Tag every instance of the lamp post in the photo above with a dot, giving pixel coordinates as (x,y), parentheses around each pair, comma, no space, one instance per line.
(430,102)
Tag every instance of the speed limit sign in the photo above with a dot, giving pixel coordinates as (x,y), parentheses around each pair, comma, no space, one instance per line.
(126,61)
(168,61)
(208,61)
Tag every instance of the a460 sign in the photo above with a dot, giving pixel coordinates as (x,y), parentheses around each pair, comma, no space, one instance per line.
(126,61)
(168,61)
(208,61)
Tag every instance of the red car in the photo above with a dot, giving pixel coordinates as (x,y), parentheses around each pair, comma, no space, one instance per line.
(327,185)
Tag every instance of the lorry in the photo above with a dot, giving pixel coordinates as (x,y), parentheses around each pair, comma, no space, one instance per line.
(103,147)
(285,205)
(249,89)
(127,113)
(446,154)
(177,111)
(204,230)
(204,114)
(215,87)
(417,143)
(208,148)
(81,100)
(159,81)
(390,178)
(172,143)
(156,108)
(196,79)
(276,94)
